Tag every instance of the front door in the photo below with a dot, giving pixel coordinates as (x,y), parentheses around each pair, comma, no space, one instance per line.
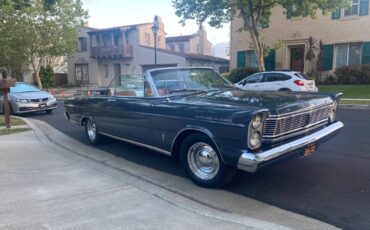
(297,58)
(117,70)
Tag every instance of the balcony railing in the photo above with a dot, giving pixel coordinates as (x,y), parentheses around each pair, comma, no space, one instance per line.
(111,51)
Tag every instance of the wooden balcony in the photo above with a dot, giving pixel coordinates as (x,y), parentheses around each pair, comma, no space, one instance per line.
(111,52)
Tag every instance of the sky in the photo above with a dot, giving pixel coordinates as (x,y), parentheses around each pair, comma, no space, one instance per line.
(111,13)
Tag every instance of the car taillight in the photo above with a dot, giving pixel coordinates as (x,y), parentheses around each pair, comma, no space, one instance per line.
(299,82)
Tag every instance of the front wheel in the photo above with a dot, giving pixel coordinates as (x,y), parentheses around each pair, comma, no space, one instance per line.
(202,162)
(94,137)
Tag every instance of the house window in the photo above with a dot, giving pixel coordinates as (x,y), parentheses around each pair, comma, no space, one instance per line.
(357,8)
(82,44)
(246,59)
(251,59)
(347,54)
(106,70)
(171,47)
(181,47)
(147,39)
(82,73)
(352,10)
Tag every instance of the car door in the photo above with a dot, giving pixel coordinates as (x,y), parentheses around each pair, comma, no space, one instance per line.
(254,82)
(129,110)
(273,81)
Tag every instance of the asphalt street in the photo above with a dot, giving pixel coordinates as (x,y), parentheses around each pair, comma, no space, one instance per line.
(333,185)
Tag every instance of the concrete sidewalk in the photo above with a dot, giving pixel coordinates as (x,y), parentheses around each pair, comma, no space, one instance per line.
(48,180)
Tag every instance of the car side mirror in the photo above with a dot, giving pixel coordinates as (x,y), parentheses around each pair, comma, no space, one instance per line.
(244,82)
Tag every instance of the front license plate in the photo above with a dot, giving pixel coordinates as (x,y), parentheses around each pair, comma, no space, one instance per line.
(42,105)
(309,150)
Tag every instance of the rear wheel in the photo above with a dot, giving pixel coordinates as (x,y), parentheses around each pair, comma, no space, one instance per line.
(92,133)
(202,162)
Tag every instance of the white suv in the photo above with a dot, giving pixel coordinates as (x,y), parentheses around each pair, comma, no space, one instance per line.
(278,81)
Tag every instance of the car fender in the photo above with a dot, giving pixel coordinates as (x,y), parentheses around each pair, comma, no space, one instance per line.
(200,129)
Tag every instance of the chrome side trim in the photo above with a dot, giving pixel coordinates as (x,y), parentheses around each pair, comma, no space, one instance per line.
(138,144)
(249,162)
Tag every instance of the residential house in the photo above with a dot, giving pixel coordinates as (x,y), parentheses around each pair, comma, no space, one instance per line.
(105,53)
(196,43)
(345,34)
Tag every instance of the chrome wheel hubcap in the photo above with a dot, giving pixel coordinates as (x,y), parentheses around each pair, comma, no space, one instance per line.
(91,129)
(203,161)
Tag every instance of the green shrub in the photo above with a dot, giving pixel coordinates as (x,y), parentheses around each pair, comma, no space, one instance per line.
(365,70)
(241,73)
(330,80)
(349,75)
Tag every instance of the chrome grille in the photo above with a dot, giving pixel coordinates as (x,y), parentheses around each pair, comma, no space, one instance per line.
(275,127)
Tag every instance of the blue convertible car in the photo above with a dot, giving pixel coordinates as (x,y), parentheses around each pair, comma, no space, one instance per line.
(200,118)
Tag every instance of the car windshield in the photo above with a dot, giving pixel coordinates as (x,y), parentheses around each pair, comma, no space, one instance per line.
(23,88)
(170,81)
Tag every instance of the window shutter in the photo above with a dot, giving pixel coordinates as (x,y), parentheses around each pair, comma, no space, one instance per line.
(366,53)
(364,7)
(327,57)
(336,14)
(270,61)
(289,12)
(241,59)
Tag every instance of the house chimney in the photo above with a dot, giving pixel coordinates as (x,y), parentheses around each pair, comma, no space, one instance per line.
(202,40)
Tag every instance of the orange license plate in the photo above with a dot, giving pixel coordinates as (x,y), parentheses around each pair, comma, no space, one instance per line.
(309,150)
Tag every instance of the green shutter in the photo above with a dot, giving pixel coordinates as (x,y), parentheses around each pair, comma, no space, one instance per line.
(366,53)
(328,57)
(364,7)
(289,12)
(270,61)
(241,59)
(336,14)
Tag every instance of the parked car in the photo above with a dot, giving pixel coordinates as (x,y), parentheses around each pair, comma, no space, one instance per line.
(278,81)
(26,98)
(212,127)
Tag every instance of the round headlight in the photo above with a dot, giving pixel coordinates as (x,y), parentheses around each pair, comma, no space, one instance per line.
(255,139)
(333,112)
(256,122)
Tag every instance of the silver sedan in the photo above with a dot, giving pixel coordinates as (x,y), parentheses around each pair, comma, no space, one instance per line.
(26,98)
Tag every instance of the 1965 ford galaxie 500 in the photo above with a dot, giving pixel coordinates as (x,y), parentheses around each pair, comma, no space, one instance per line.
(197,116)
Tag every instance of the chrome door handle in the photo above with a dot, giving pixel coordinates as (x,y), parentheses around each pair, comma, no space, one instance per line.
(111,100)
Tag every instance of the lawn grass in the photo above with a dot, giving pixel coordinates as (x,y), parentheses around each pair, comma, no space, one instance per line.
(11,131)
(13,121)
(350,91)
(353,102)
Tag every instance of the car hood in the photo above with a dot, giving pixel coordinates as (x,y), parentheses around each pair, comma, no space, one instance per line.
(276,102)
(29,95)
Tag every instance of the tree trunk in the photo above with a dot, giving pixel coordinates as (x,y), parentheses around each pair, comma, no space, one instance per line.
(258,49)
(38,80)
(36,71)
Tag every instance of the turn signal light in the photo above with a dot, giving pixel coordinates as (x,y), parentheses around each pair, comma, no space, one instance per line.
(299,82)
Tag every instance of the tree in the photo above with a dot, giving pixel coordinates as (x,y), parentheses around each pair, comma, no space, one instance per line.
(48,28)
(12,50)
(254,14)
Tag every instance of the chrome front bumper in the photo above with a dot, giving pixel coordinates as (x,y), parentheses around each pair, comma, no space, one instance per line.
(249,161)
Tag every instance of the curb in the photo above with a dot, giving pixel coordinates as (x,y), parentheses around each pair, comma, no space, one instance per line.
(354,106)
